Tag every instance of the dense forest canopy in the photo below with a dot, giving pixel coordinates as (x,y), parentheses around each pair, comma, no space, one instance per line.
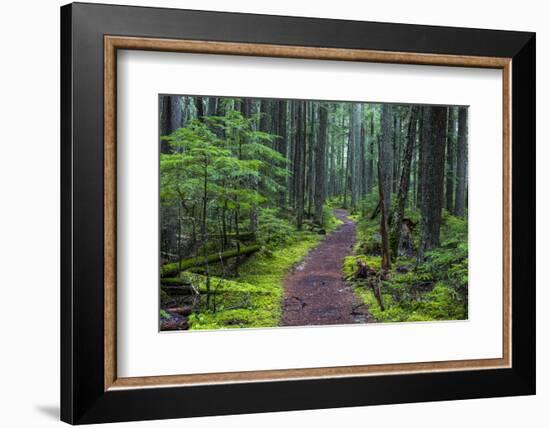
(244,180)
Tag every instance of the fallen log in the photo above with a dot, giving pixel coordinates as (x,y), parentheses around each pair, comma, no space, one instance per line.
(185,290)
(183,311)
(178,290)
(171,325)
(175,281)
(171,269)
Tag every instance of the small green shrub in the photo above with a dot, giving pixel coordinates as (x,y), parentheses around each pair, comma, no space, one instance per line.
(273,229)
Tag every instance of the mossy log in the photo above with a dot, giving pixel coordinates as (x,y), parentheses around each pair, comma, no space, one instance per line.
(172,269)
(171,325)
(184,290)
(175,281)
(178,290)
(183,311)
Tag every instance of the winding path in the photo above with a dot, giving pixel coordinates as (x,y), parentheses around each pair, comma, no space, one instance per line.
(315,293)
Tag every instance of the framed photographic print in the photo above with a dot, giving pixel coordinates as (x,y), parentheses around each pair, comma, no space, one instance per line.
(266,213)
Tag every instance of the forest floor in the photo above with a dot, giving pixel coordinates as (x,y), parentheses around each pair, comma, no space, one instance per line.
(315,292)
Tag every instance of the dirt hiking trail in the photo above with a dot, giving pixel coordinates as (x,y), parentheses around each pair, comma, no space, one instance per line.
(314,291)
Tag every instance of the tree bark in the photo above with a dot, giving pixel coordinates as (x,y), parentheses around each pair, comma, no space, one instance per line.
(419,160)
(265,119)
(310,163)
(363,151)
(370,157)
(433,167)
(395,152)
(450,160)
(461,162)
(291,154)
(403,190)
(199,105)
(211,106)
(356,176)
(320,160)
(386,259)
(176,113)
(300,145)
(171,118)
(385,157)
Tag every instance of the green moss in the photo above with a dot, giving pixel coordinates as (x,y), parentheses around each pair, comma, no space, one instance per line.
(164,297)
(436,289)
(254,298)
(330,222)
(368,239)
(173,268)
(435,305)
(350,264)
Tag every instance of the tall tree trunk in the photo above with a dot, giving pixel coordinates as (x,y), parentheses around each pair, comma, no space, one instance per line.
(363,150)
(204,200)
(292,153)
(433,167)
(211,106)
(347,160)
(282,131)
(461,162)
(176,113)
(171,118)
(403,190)
(164,104)
(300,143)
(385,157)
(282,140)
(343,164)
(370,157)
(310,165)
(450,160)
(245,107)
(359,154)
(331,156)
(386,259)
(419,160)
(395,153)
(320,159)
(355,131)
(265,118)
(220,108)
(199,105)
(347,170)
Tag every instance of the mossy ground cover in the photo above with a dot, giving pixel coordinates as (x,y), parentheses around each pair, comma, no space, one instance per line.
(431,290)
(253,298)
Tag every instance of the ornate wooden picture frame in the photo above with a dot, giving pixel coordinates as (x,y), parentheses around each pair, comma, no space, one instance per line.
(91,390)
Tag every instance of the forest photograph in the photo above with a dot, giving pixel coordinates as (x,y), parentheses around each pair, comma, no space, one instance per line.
(289,212)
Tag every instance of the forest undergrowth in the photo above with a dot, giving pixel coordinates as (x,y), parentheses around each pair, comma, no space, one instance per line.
(252,297)
(436,289)
(249,186)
